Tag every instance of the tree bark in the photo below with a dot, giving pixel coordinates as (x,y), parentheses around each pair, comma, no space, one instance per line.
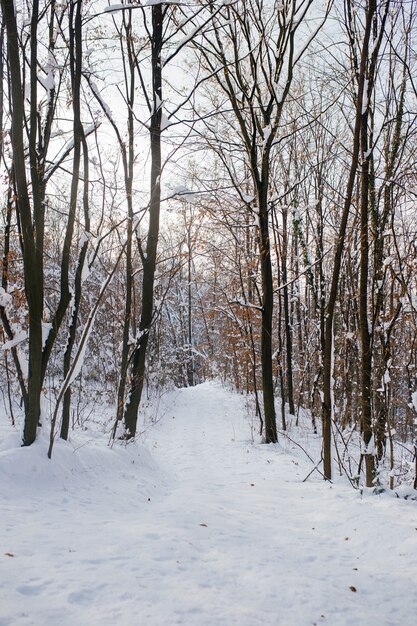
(32,257)
(331,302)
(287,322)
(365,335)
(75,42)
(149,257)
(267,310)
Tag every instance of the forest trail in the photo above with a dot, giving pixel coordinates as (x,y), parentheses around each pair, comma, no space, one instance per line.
(210,529)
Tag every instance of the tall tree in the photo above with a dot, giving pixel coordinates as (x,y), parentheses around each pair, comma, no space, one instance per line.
(361,61)
(33,120)
(253,43)
(161,31)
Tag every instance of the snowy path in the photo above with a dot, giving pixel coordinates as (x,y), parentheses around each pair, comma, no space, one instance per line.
(219,532)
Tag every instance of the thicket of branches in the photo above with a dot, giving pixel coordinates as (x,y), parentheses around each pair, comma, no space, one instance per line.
(223,189)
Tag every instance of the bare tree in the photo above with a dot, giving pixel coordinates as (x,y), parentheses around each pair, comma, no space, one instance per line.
(254,45)
(362,61)
(32,170)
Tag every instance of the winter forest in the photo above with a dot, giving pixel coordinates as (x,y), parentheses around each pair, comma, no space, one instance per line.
(209,212)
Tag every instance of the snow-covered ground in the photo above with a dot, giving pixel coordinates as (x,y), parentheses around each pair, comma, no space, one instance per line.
(196,525)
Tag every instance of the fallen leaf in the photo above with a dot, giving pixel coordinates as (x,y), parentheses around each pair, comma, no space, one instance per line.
(352,588)
(204,525)
(8,554)
(346,538)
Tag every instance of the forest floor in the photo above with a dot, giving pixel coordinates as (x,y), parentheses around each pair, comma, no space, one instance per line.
(197,524)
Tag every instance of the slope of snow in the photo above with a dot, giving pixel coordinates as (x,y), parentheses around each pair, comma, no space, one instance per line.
(197,526)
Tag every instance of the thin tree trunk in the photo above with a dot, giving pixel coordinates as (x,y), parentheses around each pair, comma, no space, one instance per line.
(75,40)
(331,302)
(267,310)
(149,258)
(287,323)
(190,364)
(365,335)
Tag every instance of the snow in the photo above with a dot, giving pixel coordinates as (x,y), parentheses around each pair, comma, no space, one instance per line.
(196,524)
(157,103)
(165,122)
(46,329)
(189,36)
(5,298)
(18,338)
(151,3)
(118,7)
(47,83)
(365,96)
(414,400)
(184,192)
(85,273)
(266,134)
(78,360)
(246,197)
(97,93)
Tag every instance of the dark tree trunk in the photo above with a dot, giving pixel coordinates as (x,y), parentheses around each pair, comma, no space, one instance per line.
(365,335)
(287,322)
(75,40)
(149,257)
(128,163)
(190,363)
(32,257)
(331,302)
(267,310)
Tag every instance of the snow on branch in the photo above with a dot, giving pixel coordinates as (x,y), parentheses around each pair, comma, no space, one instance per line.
(18,338)
(66,151)
(78,360)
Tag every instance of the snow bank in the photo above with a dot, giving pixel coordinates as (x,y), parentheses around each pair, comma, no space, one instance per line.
(84,464)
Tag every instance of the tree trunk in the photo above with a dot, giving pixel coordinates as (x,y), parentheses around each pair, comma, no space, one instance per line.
(190,363)
(331,303)
(32,257)
(149,258)
(267,310)
(75,41)
(287,322)
(365,336)
(128,159)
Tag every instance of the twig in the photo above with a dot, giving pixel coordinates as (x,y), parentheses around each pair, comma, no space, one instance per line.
(315,468)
